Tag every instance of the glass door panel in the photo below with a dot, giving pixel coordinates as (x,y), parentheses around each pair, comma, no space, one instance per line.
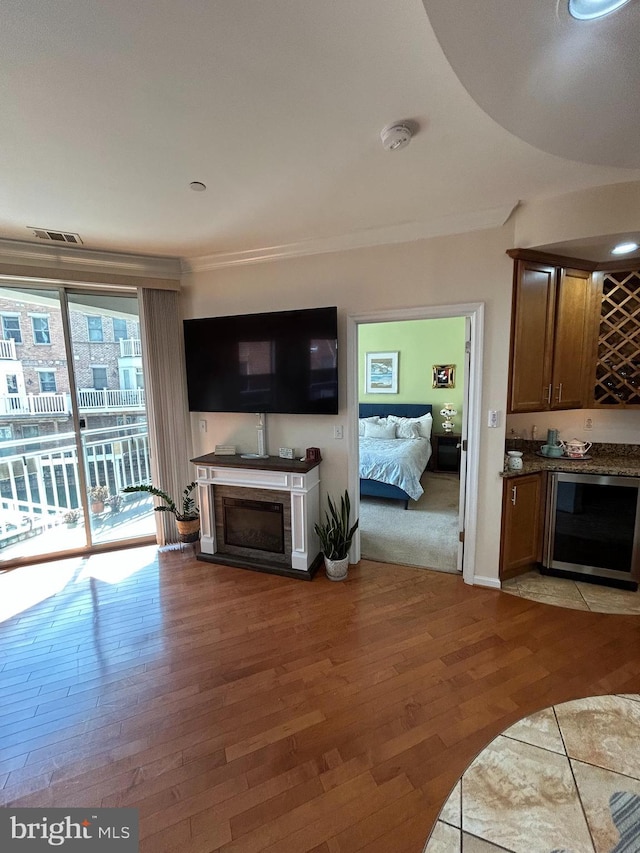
(107,358)
(59,440)
(40,498)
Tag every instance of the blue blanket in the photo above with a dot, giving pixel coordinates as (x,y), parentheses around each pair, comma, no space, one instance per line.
(397,461)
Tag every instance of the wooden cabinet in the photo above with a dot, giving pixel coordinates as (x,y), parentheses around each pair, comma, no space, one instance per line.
(522,524)
(552,337)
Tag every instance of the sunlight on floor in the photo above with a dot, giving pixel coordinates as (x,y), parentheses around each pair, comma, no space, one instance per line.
(27,586)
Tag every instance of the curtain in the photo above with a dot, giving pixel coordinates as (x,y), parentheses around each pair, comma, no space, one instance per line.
(169,421)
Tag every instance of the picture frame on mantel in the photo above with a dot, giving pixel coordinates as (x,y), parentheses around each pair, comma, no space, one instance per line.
(381,373)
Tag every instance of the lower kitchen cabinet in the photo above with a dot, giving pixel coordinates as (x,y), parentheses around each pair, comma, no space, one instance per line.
(522,524)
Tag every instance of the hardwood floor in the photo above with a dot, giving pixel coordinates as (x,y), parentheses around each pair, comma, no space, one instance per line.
(245,712)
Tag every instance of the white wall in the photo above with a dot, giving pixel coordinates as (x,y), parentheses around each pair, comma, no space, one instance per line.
(443,271)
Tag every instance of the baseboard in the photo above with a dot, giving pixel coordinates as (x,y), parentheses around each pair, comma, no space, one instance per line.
(482,580)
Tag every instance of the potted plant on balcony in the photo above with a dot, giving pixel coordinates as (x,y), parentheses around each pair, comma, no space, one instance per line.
(97,496)
(187,515)
(115,503)
(335,537)
(71,517)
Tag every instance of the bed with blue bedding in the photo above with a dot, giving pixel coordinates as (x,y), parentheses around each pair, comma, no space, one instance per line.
(395,447)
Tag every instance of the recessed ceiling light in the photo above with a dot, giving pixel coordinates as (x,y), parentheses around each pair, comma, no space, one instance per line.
(198,186)
(587,10)
(624,248)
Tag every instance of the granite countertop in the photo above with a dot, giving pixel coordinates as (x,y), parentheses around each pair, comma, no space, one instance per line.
(622,460)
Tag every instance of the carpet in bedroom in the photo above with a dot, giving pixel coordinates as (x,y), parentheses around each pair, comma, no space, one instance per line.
(425,535)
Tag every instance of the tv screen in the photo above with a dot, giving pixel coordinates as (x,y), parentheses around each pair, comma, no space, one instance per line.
(281,362)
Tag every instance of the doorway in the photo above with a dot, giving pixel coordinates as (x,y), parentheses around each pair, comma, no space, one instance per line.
(73,424)
(470,374)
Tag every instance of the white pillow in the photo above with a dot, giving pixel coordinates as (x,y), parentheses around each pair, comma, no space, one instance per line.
(362,421)
(379,430)
(404,426)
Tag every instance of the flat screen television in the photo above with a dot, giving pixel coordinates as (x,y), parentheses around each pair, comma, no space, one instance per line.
(280,362)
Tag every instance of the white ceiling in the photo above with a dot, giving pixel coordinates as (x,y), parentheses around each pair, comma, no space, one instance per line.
(110,109)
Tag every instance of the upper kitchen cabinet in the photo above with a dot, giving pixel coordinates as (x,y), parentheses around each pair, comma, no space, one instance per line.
(552,338)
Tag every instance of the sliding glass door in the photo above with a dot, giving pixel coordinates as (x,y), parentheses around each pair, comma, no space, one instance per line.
(73,422)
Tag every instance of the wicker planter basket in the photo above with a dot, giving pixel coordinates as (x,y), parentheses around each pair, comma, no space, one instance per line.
(188,531)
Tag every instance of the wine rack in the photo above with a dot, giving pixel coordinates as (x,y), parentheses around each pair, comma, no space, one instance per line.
(618,360)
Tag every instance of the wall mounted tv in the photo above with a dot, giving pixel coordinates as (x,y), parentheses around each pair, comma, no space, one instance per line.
(280,362)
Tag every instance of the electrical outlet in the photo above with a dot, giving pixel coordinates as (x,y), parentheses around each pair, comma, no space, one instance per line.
(338,431)
(588,423)
(493,419)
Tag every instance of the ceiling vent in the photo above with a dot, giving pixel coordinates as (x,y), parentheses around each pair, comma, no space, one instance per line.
(56,236)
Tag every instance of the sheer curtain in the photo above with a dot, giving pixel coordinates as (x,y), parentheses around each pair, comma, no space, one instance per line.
(169,422)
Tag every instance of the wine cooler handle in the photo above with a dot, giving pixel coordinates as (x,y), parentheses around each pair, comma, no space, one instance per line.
(514,494)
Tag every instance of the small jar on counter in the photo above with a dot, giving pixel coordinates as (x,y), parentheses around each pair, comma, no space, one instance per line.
(514,460)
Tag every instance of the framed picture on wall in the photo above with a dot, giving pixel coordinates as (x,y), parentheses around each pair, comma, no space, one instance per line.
(381,373)
(444,376)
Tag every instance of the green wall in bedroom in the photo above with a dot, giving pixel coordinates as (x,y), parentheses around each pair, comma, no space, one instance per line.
(420,344)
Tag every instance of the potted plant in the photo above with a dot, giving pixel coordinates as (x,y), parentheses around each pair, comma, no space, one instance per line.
(115,503)
(187,516)
(335,537)
(97,496)
(71,517)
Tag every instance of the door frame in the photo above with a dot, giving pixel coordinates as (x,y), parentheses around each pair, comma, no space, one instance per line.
(474,311)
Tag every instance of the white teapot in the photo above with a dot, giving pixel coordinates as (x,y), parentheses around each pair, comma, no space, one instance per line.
(575,448)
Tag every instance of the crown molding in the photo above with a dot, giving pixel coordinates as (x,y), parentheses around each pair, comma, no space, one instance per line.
(406,233)
(25,253)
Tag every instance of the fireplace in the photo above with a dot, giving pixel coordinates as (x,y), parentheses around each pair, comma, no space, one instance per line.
(260,514)
(254,524)
(257,525)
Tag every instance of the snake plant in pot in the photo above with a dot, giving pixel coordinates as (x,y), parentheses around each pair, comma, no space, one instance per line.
(187,515)
(335,537)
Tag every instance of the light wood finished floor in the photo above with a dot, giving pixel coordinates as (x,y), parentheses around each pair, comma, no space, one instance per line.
(245,712)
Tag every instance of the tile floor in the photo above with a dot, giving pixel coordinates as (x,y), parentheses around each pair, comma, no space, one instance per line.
(564,780)
(576,595)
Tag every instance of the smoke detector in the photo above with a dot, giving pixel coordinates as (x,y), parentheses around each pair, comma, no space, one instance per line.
(396,136)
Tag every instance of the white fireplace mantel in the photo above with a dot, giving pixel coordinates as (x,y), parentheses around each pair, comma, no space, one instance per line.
(301,480)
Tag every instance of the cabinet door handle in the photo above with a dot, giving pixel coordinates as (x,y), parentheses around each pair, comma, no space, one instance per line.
(549,392)
(514,495)
(560,392)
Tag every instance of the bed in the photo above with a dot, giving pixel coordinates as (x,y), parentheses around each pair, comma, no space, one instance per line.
(391,467)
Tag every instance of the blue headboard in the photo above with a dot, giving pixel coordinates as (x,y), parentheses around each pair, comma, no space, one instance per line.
(402,410)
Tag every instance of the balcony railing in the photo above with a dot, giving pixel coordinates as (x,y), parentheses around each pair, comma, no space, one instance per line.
(110,399)
(34,404)
(38,486)
(8,349)
(130,348)
(89,400)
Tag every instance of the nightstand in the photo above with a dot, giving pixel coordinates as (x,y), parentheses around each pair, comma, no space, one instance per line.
(446,451)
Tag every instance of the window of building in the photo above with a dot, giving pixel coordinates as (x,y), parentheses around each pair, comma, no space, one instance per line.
(6,433)
(30,431)
(94,329)
(11,327)
(41,334)
(12,383)
(47,381)
(99,377)
(119,329)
